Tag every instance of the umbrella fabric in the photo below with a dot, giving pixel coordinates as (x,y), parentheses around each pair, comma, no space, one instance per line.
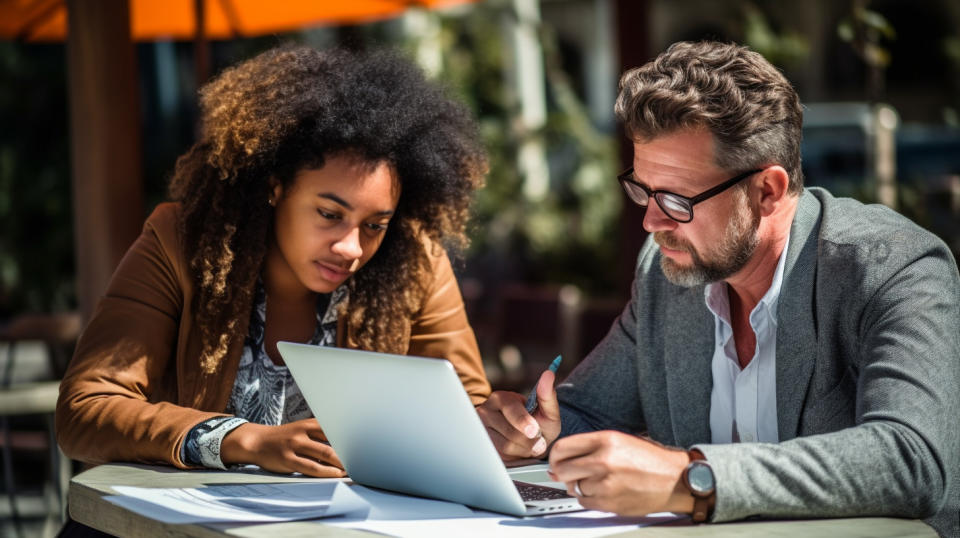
(153,20)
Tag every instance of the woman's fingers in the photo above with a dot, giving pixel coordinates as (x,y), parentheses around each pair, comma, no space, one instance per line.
(311,428)
(316,469)
(320,452)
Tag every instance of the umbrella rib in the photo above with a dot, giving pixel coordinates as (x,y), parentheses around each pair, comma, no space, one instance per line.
(41,14)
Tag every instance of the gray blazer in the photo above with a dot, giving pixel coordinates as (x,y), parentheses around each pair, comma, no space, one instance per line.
(867,370)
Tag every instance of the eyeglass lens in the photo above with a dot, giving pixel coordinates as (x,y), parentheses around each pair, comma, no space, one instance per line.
(671,205)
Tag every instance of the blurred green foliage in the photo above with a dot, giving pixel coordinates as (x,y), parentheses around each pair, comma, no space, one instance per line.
(865,30)
(570,236)
(785,48)
(868,31)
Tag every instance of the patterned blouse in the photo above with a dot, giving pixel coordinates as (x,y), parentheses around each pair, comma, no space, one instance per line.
(263,392)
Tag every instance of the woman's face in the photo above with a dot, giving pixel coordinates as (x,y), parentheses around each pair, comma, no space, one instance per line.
(329,222)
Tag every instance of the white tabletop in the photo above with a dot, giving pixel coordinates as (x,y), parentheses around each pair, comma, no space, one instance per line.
(87,506)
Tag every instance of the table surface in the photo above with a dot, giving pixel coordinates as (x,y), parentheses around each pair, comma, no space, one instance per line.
(88,488)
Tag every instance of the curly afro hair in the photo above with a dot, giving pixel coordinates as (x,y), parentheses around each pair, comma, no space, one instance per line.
(287,110)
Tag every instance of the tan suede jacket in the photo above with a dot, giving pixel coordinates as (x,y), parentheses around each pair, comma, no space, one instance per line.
(134,387)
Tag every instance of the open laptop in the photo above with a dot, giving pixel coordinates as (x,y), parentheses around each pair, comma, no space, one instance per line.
(406,424)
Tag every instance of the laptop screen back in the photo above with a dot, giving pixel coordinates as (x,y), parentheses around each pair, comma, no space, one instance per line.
(402,423)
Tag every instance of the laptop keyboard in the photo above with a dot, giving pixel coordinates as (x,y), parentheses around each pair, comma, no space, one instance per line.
(534,492)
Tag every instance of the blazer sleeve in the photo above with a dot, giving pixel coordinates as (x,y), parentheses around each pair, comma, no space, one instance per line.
(900,458)
(117,397)
(440,329)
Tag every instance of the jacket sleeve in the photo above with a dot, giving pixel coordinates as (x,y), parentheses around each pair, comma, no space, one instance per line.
(900,457)
(117,398)
(441,330)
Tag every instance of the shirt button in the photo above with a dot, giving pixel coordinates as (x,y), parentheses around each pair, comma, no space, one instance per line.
(748,437)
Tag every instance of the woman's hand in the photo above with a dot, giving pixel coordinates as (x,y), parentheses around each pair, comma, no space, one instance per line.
(298,447)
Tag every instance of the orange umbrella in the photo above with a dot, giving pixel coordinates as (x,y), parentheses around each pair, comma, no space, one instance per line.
(150,20)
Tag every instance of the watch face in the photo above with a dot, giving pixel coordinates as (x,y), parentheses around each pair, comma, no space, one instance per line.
(700,478)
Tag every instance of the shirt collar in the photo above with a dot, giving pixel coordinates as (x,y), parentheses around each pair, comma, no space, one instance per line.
(773,293)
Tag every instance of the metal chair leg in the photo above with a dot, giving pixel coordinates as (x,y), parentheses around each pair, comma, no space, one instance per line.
(8,482)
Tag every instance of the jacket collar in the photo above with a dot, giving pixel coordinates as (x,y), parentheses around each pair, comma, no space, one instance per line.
(796,329)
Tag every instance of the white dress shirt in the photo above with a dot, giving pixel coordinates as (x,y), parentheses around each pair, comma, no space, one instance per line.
(743,403)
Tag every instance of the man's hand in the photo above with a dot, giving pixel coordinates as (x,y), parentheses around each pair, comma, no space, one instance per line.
(621,473)
(514,432)
(295,447)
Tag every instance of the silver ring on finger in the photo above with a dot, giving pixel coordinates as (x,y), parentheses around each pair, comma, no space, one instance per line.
(577,490)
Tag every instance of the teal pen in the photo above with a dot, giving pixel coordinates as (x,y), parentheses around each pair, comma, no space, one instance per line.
(532,399)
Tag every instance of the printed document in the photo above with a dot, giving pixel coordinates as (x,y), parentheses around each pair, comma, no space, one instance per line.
(241,502)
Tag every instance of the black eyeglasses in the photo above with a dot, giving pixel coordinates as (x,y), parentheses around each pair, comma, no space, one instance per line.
(678,208)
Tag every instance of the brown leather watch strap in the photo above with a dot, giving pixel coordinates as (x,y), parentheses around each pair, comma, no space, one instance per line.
(701,509)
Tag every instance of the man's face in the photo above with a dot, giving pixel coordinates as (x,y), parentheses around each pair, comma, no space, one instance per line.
(722,236)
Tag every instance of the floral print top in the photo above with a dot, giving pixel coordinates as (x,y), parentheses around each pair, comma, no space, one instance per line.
(263,392)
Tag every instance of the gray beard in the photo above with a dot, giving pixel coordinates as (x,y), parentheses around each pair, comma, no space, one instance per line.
(739,241)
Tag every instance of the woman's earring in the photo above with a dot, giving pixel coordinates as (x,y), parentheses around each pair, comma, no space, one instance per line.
(271,202)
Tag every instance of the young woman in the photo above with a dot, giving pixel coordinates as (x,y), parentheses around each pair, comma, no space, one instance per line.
(316,207)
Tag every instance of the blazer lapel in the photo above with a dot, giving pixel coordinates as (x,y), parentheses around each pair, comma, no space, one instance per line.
(688,348)
(796,318)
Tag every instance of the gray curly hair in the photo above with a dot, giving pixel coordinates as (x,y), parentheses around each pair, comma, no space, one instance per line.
(749,107)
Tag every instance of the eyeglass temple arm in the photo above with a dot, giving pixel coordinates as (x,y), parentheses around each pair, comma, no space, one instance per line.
(723,186)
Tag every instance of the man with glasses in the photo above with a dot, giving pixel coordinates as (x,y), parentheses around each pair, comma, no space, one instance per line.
(784,354)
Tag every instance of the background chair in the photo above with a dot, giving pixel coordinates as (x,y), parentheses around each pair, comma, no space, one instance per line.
(34,351)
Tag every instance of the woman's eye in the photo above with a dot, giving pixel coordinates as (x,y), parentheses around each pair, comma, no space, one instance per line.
(327,215)
(377,226)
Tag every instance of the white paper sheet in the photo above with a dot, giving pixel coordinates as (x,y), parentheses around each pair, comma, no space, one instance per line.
(385,505)
(241,502)
(486,524)
(286,501)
